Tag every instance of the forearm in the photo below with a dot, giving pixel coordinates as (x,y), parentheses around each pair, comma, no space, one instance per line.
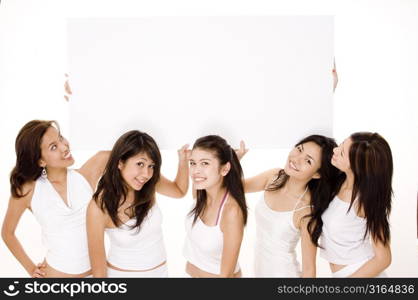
(182,177)
(18,252)
(308,272)
(372,267)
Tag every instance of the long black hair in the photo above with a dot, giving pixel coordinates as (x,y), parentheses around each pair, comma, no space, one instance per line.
(321,189)
(372,165)
(233,181)
(112,190)
(28,153)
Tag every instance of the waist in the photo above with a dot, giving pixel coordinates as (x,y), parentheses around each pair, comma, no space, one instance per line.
(67,267)
(144,270)
(196,272)
(143,258)
(345,254)
(209,262)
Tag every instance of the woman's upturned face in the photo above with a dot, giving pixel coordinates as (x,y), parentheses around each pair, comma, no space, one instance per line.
(304,161)
(137,170)
(55,150)
(340,158)
(205,169)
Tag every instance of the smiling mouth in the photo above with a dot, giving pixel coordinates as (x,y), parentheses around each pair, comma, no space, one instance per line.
(199,179)
(68,155)
(141,182)
(293,166)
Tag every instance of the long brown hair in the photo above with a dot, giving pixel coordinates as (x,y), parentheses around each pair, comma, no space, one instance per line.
(112,190)
(322,189)
(28,154)
(233,181)
(372,165)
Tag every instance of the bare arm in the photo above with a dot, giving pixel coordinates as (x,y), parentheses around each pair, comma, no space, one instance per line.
(232,226)
(259,182)
(15,209)
(96,221)
(378,263)
(177,188)
(93,169)
(308,248)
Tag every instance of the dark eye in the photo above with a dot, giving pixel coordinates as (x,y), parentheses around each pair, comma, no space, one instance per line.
(299,148)
(53,147)
(152,166)
(205,163)
(309,162)
(141,164)
(192,163)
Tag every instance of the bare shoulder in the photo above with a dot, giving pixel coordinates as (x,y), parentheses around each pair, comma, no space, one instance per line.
(27,190)
(232,211)
(94,210)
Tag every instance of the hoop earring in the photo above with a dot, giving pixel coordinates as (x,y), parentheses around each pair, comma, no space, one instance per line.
(44,174)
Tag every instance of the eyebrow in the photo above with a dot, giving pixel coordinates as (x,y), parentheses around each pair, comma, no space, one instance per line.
(143,158)
(201,159)
(307,154)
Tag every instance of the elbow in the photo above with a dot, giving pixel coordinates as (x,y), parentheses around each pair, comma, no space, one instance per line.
(384,260)
(6,235)
(180,193)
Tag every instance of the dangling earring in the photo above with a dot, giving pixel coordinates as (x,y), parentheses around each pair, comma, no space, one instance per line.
(43,174)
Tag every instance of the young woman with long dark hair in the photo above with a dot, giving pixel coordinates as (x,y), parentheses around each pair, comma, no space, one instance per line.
(290,208)
(215,225)
(42,182)
(124,206)
(356,234)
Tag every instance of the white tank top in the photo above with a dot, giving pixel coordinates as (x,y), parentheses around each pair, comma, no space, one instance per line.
(131,249)
(342,235)
(276,240)
(204,244)
(64,227)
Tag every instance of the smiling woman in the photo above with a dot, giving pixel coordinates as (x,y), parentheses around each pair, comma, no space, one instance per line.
(216,223)
(57,197)
(124,206)
(290,209)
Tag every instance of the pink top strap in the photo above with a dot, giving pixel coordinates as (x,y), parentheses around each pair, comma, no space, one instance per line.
(220,208)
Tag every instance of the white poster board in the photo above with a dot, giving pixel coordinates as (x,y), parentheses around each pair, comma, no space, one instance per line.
(264,79)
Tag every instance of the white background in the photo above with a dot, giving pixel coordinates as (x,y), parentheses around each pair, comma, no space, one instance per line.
(376,54)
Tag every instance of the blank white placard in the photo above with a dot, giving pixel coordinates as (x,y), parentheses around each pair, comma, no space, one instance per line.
(264,79)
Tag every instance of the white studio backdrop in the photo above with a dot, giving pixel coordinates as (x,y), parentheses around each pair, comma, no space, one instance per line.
(375,46)
(179,78)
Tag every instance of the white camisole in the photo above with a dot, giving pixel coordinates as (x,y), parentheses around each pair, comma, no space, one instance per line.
(204,244)
(276,241)
(131,249)
(64,227)
(342,238)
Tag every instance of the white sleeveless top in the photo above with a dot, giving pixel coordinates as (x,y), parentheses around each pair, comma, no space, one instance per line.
(276,240)
(64,227)
(342,235)
(131,249)
(204,244)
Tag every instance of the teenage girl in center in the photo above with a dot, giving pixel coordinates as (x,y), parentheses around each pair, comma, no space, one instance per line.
(215,225)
